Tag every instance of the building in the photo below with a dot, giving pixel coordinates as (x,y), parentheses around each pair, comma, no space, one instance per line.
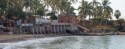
(67,19)
(63,24)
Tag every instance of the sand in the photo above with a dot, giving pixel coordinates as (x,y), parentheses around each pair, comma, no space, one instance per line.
(23,37)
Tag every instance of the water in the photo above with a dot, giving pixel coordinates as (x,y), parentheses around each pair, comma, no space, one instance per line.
(72,42)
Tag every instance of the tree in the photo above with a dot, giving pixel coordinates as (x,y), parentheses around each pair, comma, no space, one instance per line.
(107,10)
(13,8)
(65,7)
(71,10)
(3,6)
(117,14)
(99,11)
(95,4)
(85,10)
(59,5)
(38,8)
(52,16)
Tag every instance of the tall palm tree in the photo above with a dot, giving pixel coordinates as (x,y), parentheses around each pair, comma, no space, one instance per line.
(99,11)
(95,5)
(96,11)
(107,10)
(85,10)
(117,14)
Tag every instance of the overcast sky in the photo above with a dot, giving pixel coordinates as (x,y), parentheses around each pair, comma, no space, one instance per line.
(115,4)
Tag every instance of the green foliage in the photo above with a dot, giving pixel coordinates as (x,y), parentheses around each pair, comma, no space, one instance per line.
(117,14)
(52,16)
(100,20)
(85,10)
(62,6)
(10,8)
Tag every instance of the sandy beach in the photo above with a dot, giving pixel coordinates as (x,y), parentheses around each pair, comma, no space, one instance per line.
(23,37)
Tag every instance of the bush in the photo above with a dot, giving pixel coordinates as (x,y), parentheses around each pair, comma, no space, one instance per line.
(100,20)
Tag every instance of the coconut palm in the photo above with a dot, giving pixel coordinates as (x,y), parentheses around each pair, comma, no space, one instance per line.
(64,6)
(58,5)
(71,10)
(85,10)
(95,5)
(107,10)
(52,3)
(99,11)
(117,14)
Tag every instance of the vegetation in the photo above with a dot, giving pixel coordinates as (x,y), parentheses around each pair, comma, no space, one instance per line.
(117,14)
(99,13)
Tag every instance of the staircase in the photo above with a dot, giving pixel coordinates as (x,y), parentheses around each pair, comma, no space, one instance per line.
(83,29)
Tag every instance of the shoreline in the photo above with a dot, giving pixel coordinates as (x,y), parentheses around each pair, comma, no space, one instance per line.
(24,37)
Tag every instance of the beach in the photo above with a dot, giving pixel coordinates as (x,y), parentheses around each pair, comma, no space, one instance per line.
(24,37)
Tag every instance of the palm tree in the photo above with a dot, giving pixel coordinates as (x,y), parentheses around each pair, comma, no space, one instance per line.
(95,5)
(59,5)
(71,10)
(85,10)
(99,11)
(38,8)
(117,14)
(52,3)
(107,10)
(64,7)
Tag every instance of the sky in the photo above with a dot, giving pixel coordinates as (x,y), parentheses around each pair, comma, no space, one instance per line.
(115,4)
